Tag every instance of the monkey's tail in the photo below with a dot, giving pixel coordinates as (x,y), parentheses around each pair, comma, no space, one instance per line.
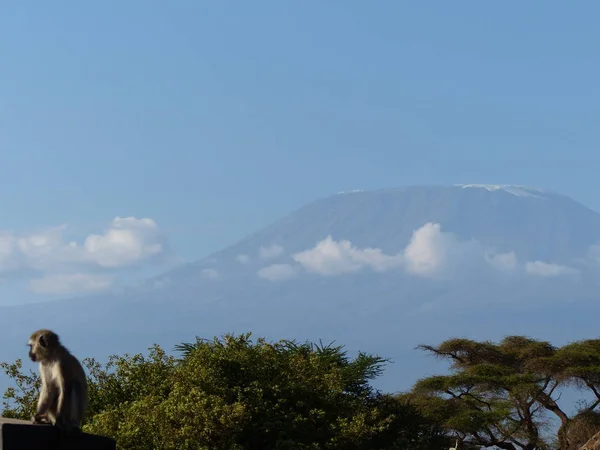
(78,402)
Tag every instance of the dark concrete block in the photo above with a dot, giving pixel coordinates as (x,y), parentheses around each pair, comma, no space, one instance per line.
(23,435)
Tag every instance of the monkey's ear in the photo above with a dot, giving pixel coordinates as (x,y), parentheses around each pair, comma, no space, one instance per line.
(43,341)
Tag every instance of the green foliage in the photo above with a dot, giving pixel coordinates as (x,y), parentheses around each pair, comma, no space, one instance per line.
(19,401)
(497,394)
(502,393)
(234,393)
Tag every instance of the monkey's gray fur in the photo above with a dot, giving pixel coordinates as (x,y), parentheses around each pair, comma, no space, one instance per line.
(63,399)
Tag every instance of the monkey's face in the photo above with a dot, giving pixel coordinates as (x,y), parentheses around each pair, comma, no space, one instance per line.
(38,348)
(41,345)
(31,353)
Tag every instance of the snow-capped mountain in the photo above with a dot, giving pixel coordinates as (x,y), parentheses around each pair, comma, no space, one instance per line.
(380,271)
(536,225)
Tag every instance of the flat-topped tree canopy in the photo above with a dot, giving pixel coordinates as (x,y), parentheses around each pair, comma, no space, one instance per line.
(21,434)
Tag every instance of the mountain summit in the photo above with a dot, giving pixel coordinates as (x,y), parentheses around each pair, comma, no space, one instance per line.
(513,189)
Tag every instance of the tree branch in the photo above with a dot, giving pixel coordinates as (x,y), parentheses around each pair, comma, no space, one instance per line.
(549,403)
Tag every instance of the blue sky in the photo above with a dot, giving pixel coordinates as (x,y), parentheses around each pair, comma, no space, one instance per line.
(215,118)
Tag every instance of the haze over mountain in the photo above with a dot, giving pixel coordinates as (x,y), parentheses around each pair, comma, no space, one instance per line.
(379,271)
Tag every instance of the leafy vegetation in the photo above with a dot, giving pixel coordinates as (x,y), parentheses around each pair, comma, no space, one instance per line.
(502,394)
(234,393)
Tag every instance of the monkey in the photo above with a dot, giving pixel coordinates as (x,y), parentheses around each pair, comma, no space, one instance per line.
(63,399)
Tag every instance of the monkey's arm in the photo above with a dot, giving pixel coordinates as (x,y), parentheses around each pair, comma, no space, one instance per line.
(47,397)
(60,404)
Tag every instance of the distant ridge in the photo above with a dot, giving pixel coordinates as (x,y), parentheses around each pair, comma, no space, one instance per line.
(514,189)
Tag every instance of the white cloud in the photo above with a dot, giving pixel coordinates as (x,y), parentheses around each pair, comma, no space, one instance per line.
(241,258)
(430,253)
(277,272)
(210,274)
(66,265)
(503,261)
(542,269)
(75,283)
(273,251)
(331,257)
(128,240)
(427,250)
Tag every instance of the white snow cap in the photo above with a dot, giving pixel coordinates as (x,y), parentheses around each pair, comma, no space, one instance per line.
(353,191)
(519,191)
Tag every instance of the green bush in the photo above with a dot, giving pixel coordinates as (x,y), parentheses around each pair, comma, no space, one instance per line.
(233,393)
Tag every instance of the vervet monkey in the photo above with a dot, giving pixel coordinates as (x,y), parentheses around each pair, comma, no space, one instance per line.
(63,397)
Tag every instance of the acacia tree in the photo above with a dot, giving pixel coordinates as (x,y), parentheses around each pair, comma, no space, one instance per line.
(502,394)
(496,394)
